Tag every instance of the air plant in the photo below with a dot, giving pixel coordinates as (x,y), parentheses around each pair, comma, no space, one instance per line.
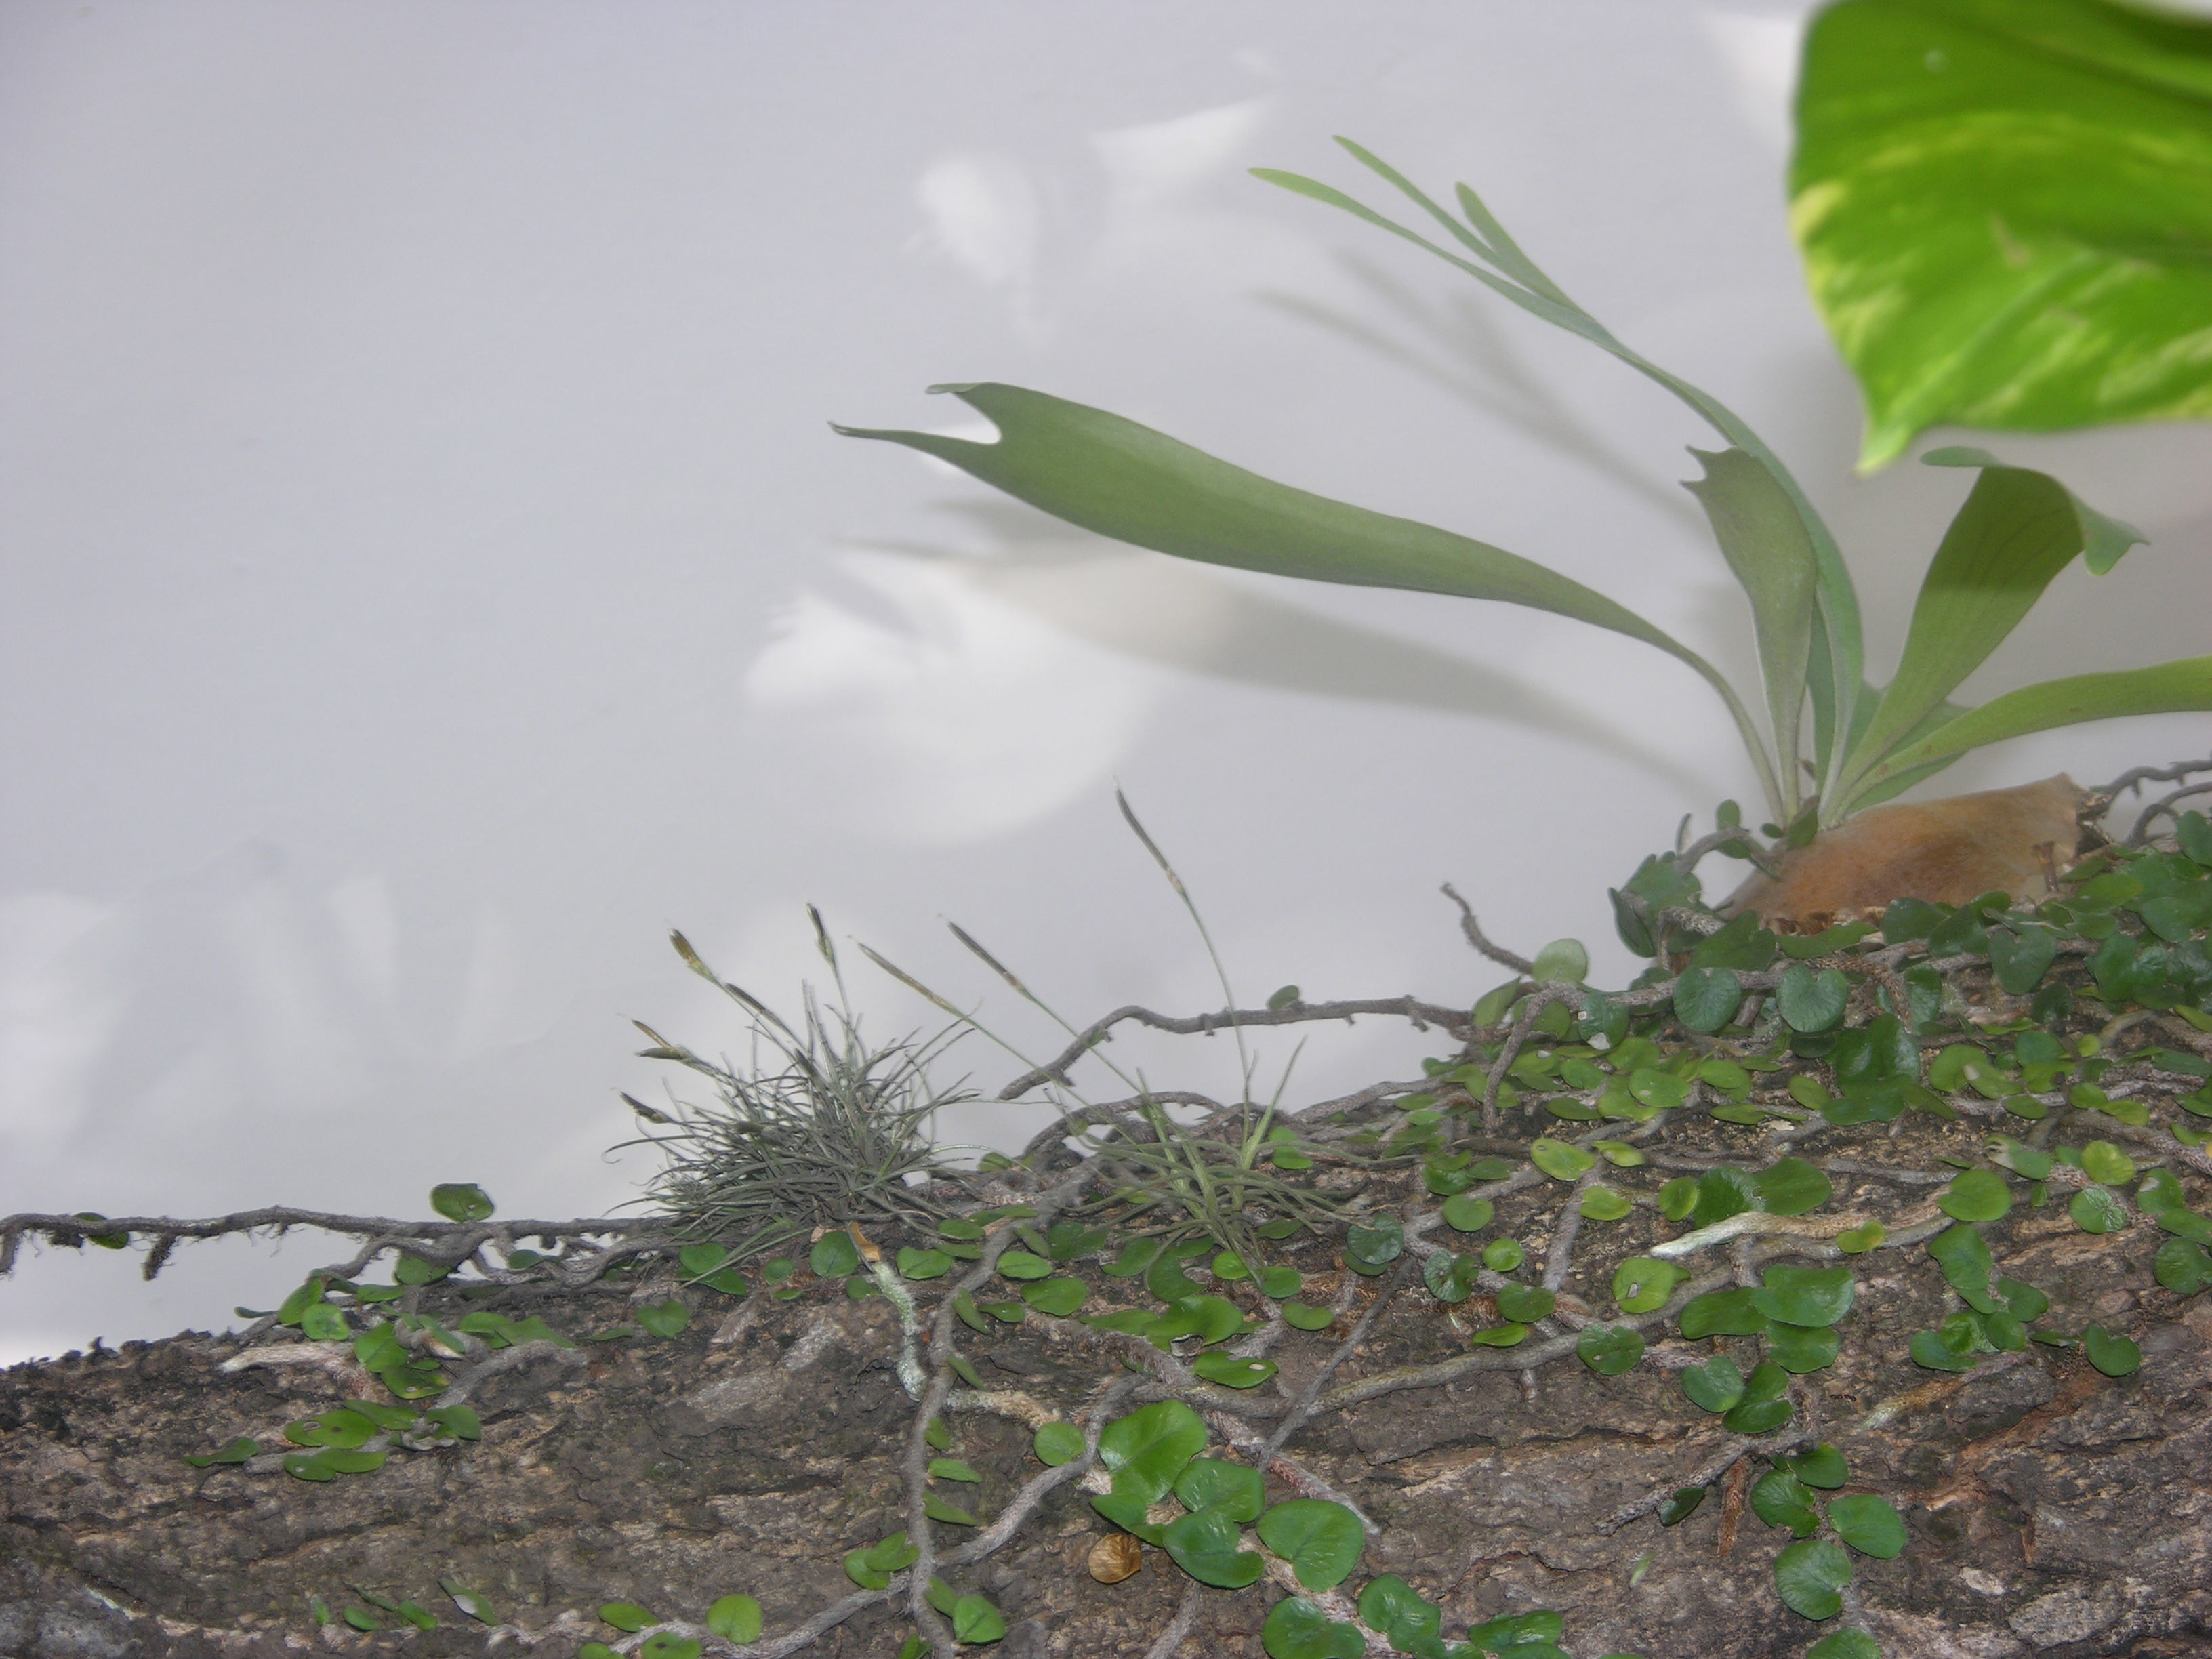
(821,1127)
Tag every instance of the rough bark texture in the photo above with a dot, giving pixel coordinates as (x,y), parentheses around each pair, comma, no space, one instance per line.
(2054,1512)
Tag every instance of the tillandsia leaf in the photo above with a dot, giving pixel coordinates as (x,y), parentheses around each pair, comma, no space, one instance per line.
(1766,544)
(2166,687)
(2017,531)
(2003,206)
(1837,652)
(1116,478)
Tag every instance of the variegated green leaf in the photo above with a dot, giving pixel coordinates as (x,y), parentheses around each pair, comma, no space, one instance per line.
(2003,207)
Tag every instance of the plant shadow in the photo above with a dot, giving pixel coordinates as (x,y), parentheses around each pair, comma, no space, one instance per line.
(1184,615)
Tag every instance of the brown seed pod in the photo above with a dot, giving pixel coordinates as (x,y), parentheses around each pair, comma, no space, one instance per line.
(1115,1557)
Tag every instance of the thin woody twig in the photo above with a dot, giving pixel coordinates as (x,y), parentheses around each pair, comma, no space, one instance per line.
(1421,1014)
(1477,938)
(451,1241)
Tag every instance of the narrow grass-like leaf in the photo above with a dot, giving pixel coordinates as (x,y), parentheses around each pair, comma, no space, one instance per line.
(2167,687)
(1765,540)
(2017,530)
(1117,478)
(1837,652)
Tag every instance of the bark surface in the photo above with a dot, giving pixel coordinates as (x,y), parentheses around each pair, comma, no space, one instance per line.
(2054,1510)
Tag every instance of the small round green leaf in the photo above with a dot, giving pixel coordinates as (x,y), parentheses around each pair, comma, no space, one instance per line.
(1524,1304)
(1791,1187)
(1716,1386)
(1756,1417)
(1562,961)
(626,1616)
(1057,1442)
(1322,1541)
(1204,1545)
(1678,1197)
(2098,1210)
(1503,1255)
(1868,1525)
(1707,999)
(975,1620)
(1560,1159)
(1609,1349)
(1210,1318)
(1928,1348)
(1975,1195)
(2102,1161)
(1467,1214)
(1370,1248)
(1450,1277)
(1213,1483)
(1722,1313)
(834,1256)
(1023,1264)
(1499,1336)
(1810,1000)
(1679,1505)
(1057,1297)
(664,1646)
(1781,1500)
(1847,1643)
(1721,1193)
(2021,959)
(1642,1284)
(1296,1629)
(325,1323)
(922,1264)
(1857,1241)
(1399,1612)
(1822,1466)
(1806,1296)
(1603,1203)
(664,1318)
(1811,1575)
(2183,1266)
(2115,1356)
(1798,1349)
(1279,1282)
(1307,1319)
(1233,1373)
(463,1202)
(2160,1193)
(1146,1450)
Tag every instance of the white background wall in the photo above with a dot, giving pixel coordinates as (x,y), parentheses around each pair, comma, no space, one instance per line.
(429,576)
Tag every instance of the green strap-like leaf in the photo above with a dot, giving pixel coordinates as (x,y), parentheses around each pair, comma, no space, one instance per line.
(2005,208)
(2166,688)
(2017,530)
(1765,543)
(1120,479)
(1893,783)
(1838,653)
